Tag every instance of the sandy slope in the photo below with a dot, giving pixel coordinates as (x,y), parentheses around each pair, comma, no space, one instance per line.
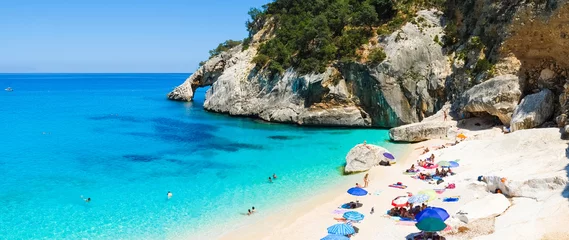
(534,162)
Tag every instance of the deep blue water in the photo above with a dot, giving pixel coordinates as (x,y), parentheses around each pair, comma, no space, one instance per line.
(116,139)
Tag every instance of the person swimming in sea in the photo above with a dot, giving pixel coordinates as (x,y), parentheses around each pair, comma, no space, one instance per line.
(274,176)
(169,195)
(270,180)
(87,200)
(249,212)
(252,209)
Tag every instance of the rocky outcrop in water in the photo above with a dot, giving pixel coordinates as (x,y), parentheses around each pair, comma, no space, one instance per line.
(364,157)
(533,110)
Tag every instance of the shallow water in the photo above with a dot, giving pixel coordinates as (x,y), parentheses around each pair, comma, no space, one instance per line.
(116,139)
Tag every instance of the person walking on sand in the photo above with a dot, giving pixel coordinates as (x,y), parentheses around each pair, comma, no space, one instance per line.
(445,115)
(366,180)
(169,195)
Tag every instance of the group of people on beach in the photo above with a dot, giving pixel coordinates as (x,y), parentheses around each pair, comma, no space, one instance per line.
(405,212)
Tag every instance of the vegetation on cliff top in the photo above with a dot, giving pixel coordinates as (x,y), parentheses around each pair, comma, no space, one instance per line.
(309,35)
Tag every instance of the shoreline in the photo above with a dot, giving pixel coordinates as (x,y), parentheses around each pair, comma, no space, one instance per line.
(285,218)
(486,152)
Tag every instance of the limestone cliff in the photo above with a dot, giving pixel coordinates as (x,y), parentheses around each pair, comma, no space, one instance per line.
(482,56)
(403,89)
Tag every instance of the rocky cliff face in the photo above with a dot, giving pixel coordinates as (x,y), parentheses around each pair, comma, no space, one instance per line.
(496,53)
(405,88)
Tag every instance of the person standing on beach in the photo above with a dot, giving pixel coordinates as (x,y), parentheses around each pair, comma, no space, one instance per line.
(445,115)
(366,180)
(169,195)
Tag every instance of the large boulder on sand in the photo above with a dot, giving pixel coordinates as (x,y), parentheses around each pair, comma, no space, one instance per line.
(489,206)
(498,97)
(533,110)
(422,131)
(364,157)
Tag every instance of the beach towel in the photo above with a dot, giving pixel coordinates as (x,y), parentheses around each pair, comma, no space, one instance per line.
(398,186)
(440,191)
(406,223)
(340,211)
(431,166)
(410,173)
(451,199)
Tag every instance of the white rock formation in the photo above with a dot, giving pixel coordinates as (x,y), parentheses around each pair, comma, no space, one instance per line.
(533,110)
(364,157)
(498,96)
(489,206)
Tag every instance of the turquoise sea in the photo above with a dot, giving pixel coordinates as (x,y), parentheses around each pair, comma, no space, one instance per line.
(116,139)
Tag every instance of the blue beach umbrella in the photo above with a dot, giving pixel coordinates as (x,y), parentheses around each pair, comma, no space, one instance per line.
(341,229)
(353,216)
(356,191)
(419,198)
(388,155)
(432,212)
(453,164)
(335,237)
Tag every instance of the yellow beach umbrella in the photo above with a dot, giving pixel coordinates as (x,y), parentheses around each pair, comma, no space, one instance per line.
(429,192)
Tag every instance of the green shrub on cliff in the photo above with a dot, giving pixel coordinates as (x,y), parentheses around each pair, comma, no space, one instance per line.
(376,56)
(222,47)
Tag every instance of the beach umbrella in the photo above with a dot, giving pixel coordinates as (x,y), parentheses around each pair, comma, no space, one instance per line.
(353,216)
(335,237)
(453,164)
(400,201)
(432,212)
(356,191)
(418,199)
(341,229)
(429,192)
(431,225)
(388,155)
(444,163)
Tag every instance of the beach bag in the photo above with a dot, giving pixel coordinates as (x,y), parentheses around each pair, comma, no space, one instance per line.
(451,186)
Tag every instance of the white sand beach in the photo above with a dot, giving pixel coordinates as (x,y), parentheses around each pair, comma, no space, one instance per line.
(532,163)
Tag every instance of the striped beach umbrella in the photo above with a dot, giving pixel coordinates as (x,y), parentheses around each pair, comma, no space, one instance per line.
(341,229)
(418,199)
(335,237)
(400,201)
(353,216)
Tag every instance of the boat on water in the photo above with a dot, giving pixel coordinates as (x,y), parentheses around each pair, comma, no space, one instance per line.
(9,89)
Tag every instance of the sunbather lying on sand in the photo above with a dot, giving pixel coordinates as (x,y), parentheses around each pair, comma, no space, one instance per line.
(411,169)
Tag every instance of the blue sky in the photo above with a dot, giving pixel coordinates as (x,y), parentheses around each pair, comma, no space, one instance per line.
(116,35)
